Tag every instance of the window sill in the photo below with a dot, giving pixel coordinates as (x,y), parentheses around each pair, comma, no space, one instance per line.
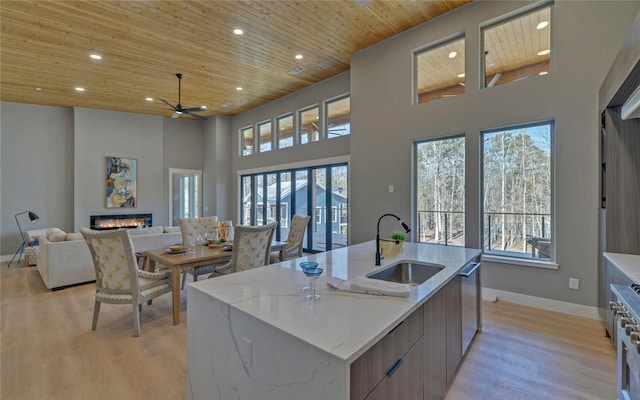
(521,262)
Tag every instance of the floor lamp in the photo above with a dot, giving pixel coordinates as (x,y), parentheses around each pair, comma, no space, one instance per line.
(32,217)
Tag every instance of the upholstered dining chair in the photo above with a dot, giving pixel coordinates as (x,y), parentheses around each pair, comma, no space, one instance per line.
(118,279)
(293,246)
(251,248)
(194,229)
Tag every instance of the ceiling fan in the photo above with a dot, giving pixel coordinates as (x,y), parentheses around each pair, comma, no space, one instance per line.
(178,110)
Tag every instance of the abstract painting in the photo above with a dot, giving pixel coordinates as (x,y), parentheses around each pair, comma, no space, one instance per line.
(122,182)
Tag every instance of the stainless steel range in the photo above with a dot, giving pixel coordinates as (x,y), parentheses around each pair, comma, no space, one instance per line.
(627,314)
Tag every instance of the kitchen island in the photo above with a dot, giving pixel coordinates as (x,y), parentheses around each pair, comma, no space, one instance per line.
(253,335)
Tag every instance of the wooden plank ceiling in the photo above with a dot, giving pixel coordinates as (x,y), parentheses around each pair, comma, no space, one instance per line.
(45,48)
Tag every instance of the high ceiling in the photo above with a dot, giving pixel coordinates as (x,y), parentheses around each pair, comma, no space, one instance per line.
(46,47)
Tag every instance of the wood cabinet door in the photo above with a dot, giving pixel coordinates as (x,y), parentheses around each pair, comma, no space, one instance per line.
(435,342)
(454,327)
(372,366)
(405,382)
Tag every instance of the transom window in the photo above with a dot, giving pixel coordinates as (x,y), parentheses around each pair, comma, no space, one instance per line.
(284,126)
(247,141)
(338,117)
(265,136)
(440,71)
(517,49)
(309,125)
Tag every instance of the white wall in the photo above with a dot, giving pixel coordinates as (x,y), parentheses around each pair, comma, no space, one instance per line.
(100,133)
(53,163)
(36,169)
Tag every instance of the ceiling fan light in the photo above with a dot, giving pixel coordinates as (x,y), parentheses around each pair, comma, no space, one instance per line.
(542,25)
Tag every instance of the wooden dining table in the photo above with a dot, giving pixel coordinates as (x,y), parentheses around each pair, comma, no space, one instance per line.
(192,257)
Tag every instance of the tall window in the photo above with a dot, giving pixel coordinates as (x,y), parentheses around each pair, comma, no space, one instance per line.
(309,125)
(518,48)
(517,191)
(314,191)
(440,190)
(440,71)
(338,117)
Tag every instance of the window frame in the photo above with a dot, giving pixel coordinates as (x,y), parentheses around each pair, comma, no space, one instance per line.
(242,141)
(326,104)
(258,135)
(506,19)
(496,256)
(299,124)
(416,219)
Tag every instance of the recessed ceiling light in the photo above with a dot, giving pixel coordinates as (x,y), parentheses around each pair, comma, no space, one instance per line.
(299,56)
(543,73)
(79,89)
(542,25)
(239,88)
(544,52)
(149,99)
(226,104)
(238,31)
(96,56)
(38,89)
(491,65)
(203,107)
(453,54)
(461,75)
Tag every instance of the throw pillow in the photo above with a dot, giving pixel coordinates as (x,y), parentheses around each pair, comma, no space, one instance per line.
(56,235)
(74,236)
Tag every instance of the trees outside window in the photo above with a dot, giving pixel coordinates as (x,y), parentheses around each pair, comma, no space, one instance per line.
(440,191)
(517,191)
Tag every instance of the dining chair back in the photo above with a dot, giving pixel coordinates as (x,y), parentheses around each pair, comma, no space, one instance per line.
(295,238)
(118,279)
(195,229)
(251,248)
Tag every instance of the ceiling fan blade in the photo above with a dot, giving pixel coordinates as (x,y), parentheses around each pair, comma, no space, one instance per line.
(196,115)
(167,103)
(191,109)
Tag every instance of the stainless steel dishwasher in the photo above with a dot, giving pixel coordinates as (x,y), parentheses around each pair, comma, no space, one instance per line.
(471,297)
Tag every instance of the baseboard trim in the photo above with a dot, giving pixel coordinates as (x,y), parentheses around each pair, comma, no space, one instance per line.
(578,310)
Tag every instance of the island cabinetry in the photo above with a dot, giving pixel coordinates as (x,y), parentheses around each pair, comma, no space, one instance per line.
(392,368)
(454,327)
(435,352)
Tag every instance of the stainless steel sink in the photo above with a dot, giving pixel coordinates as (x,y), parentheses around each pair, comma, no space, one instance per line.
(407,272)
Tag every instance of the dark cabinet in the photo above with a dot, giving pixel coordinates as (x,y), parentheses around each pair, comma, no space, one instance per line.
(391,363)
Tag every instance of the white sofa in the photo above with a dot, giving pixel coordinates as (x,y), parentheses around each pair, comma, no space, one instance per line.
(67,261)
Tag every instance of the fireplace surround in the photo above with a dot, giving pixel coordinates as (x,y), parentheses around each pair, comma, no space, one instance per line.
(117,221)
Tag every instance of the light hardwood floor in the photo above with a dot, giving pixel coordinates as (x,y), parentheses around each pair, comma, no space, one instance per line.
(48,351)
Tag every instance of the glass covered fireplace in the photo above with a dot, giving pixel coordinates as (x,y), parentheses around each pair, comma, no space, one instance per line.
(103,222)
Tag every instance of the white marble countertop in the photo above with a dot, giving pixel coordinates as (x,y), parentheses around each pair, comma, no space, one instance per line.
(340,323)
(629,264)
